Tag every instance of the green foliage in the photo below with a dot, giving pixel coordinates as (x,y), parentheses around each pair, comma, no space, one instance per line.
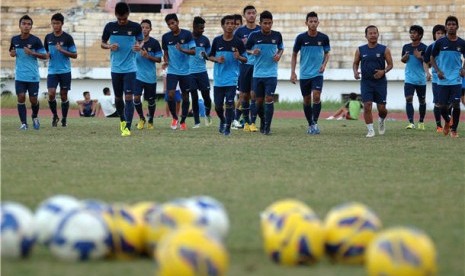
(406,177)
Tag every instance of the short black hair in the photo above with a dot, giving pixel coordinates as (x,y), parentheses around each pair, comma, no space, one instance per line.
(353,96)
(85,92)
(369,27)
(453,19)
(26,17)
(106,90)
(171,16)
(58,17)
(226,17)
(418,29)
(238,17)
(311,14)
(198,21)
(266,15)
(122,8)
(147,21)
(248,7)
(437,28)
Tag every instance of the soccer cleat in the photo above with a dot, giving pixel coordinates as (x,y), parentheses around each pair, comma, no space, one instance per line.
(446,129)
(196,125)
(439,129)
(340,118)
(208,120)
(174,124)
(236,125)
(227,131)
(55,121)
(267,130)
(316,128)
(183,126)
(246,127)
(454,134)
(141,123)
(410,126)
(150,126)
(221,128)
(36,123)
(330,118)
(310,130)
(122,125)
(23,127)
(421,126)
(253,128)
(381,126)
(126,132)
(370,134)
(63,122)
(262,126)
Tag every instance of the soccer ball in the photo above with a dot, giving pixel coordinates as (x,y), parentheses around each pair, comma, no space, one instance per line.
(49,213)
(17,230)
(282,207)
(294,239)
(94,205)
(81,235)
(169,217)
(126,231)
(143,211)
(213,213)
(401,251)
(191,251)
(350,228)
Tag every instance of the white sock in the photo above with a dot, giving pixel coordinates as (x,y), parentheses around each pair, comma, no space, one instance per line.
(370,127)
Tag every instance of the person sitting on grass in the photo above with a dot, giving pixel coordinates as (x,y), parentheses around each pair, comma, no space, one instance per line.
(350,110)
(87,107)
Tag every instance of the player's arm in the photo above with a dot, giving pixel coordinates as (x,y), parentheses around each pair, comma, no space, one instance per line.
(12,50)
(166,59)
(389,62)
(405,56)
(65,52)
(325,62)
(356,64)
(278,55)
(293,66)
(190,51)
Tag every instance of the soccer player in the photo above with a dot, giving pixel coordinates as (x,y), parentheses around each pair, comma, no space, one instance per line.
(123,38)
(87,107)
(314,55)
(146,76)
(267,48)
(177,45)
(446,59)
(375,60)
(27,48)
(198,72)
(60,48)
(237,21)
(415,76)
(246,95)
(227,51)
(438,32)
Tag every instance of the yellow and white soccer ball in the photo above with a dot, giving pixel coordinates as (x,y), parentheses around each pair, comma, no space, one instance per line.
(294,239)
(191,251)
(126,231)
(169,217)
(281,207)
(401,251)
(144,210)
(350,227)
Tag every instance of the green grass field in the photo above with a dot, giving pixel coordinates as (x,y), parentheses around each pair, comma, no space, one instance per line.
(407,177)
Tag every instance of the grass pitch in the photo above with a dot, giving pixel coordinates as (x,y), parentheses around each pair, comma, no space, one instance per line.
(407,177)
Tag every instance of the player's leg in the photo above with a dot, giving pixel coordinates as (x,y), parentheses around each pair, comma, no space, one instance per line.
(421,94)
(455,101)
(230,92)
(184,83)
(129,84)
(207,101)
(409,90)
(33,88)
(193,87)
(171,83)
(367,99)
(259,88)
(444,103)
(65,86)
(139,88)
(380,95)
(317,86)
(21,89)
(218,97)
(437,107)
(306,91)
(52,83)
(117,80)
(149,95)
(270,88)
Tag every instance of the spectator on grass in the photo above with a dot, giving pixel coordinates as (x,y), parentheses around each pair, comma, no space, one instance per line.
(375,61)
(107,104)
(87,107)
(350,110)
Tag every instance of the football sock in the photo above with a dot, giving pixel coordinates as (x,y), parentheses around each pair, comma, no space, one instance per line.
(316,112)
(253,111)
(185,110)
(409,110)
(195,107)
(220,113)
(422,110)
(245,111)
(269,111)
(119,104)
(308,113)
(22,112)
(207,101)
(152,107)
(64,109)
(53,107)
(456,118)
(172,107)
(138,107)
(229,114)
(437,115)
(129,113)
(35,109)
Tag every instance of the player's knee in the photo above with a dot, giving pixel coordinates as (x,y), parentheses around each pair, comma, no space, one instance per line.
(456,104)
(409,99)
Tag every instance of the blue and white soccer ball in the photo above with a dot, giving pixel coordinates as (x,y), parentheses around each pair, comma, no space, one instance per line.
(212,213)
(17,230)
(50,212)
(81,235)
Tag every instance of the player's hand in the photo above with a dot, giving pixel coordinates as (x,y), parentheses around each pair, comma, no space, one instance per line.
(114,47)
(428,76)
(203,55)
(143,52)
(405,57)
(276,57)
(417,53)
(178,46)
(379,74)
(27,51)
(357,75)
(293,77)
(47,55)
(164,65)
(322,69)
(462,73)
(220,59)
(236,55)
(256,52)
(441,75)
(13,52)
(136,47)
(58,47)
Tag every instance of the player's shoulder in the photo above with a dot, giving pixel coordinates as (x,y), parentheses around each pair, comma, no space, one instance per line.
(323,35)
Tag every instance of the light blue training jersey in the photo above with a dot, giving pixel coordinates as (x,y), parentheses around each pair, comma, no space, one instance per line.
(27,67)
(312,53)
(414,70)
(227,73)
(448,55)
(58,62)
(147,69)
(243,34)
(269,44)
(178,63)
(197,63)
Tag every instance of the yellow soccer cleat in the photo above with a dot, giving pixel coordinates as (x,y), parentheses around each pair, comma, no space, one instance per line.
(253,128)
(141,124)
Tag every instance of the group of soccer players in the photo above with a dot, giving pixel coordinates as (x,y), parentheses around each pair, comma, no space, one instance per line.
(245,59)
